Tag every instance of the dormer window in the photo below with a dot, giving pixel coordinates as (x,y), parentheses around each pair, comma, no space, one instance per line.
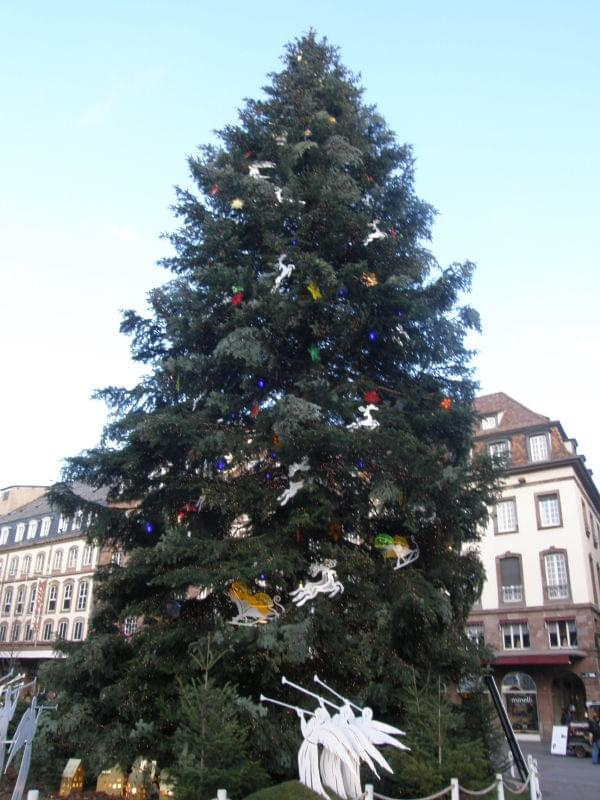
(489,421)
(539,449)
(20,532)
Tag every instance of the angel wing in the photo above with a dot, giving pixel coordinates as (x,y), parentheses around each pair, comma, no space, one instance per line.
(23,773)
(24,733)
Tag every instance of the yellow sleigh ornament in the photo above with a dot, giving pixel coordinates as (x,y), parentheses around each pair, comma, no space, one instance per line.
(253,609)
(405,551)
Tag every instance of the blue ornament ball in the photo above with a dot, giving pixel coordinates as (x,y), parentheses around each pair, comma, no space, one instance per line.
(148,527)
(373,336)
(343,292)
(268,476)
(360,463)
(221,464)
(261,383)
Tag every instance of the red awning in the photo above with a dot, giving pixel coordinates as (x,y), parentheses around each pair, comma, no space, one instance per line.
(551,658)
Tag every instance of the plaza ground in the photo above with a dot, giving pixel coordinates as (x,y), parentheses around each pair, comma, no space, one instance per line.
(564,777)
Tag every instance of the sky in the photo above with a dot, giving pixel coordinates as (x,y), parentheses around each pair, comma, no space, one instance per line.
(102,102)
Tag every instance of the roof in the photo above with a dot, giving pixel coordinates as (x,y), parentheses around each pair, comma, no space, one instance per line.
(39,509)
(514,414)
(41,506)
(73,765)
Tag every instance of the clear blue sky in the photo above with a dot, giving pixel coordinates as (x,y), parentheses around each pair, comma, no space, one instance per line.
(101,102)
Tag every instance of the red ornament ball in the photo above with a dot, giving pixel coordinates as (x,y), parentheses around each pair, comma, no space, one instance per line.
(446,403)
(237,299)
(371,396)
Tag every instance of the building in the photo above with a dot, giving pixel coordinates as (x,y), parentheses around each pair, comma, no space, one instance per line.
(539,609)
(46,578)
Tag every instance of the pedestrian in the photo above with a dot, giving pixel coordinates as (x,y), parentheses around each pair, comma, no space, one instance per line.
(595,733)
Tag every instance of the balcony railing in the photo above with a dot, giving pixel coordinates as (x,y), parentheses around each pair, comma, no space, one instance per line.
(558,591)
(512,594)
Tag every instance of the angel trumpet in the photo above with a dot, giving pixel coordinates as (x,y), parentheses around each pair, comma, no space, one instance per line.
(264,699)
(321,700)
(333,692)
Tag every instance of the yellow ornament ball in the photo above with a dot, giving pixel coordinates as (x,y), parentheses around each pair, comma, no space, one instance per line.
(237,203)
(332,119)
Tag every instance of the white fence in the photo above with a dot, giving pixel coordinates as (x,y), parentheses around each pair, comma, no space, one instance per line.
(454,791)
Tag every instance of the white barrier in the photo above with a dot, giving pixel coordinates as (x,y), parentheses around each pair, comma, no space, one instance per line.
(454,789)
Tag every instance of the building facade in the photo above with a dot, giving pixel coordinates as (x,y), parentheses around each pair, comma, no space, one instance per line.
(47,571)
(539,609)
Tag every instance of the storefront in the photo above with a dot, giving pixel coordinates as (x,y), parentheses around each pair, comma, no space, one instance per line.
(519,693)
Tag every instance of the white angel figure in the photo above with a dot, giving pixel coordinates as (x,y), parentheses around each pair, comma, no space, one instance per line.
(299,466)
(367,421)
(375,232)
(338,774)
(290,492)
(23,738)
(255,168)
(285,270)
(280,198)
(241,526)
(295,486)
(328,583)
(379,733)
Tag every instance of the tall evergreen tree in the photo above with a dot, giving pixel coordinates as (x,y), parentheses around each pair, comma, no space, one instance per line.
(302,292)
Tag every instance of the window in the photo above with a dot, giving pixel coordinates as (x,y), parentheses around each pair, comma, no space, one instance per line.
(57,560)
(20,532)
(61,631)
(500,450)
(87,555)
(585,519)
(557,581)
(32,596)
(78,631)
(4,531)
(488,422)
(510,580)
(32,528)
(594,524)
(26,565)
(63,523)
(20,604)
(67,597)
(28,632)
(15,632)
(47,632)
(46,522)
(77,521)
(8,596)
(475,633)
(3,629)
(548,510)
(506,516)
(72,558)
(52,597)
(14,563)
(39,562)
(538,447)
(116,558)
(130,626)
(562,633)
(515,635)
(82,596)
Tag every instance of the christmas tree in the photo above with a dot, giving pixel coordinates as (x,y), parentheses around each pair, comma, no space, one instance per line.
(305,415)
